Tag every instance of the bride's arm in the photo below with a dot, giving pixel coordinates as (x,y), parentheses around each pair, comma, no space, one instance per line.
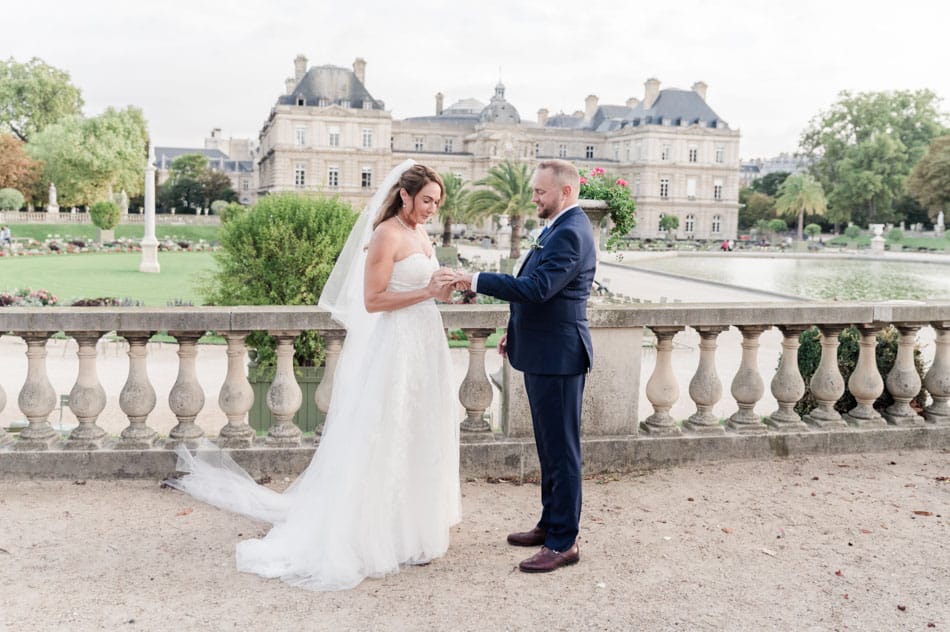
(380,259)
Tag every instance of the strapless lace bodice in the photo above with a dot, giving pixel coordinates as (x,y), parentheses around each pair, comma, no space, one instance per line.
(412,273)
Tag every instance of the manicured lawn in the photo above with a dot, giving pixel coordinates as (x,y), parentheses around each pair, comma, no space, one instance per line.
(94,275)
(907,243)
(40,232)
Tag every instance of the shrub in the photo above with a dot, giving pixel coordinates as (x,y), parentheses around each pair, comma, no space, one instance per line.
(777,225)
(895,234)
(11,200)
(217,206)
(852,232)
(280,252)
(812,229)
(809,356)
(231,211)
(105,214)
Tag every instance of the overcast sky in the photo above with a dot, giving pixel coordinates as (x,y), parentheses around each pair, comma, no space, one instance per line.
(770,66)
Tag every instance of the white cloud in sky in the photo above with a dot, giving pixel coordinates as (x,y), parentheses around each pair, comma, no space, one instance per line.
(771,67)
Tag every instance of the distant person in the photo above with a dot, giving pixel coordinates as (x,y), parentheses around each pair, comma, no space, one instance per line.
(5,236)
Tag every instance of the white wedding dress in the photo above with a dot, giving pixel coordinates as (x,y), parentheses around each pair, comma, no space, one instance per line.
(382,489)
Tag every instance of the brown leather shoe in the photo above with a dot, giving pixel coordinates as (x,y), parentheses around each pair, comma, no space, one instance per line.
(535,537)
(547,560)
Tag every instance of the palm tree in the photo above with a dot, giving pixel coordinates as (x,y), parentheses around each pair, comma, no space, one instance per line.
(800,194)
(508,193)
(454,206)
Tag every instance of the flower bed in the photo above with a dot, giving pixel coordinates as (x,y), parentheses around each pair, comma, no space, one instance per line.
(56,245)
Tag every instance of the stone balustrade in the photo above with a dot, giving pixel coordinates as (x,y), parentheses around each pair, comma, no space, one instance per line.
(134,217)
(615,438)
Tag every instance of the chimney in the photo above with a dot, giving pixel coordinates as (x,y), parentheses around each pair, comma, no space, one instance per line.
(359,69)
(633,102)
(438,103)
(651,90)
(216,132)
(578,114)
(290,84)
(300,67)
(700,88)
(590,105)
(542,117)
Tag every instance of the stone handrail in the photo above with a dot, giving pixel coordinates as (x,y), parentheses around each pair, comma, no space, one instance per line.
(42,217)
(615,437)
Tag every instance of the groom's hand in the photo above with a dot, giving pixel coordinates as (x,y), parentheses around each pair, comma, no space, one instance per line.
(503,346)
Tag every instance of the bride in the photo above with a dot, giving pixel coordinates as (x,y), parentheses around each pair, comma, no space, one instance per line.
(382,489)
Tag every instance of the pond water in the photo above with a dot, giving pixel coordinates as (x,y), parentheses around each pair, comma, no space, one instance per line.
(825,279)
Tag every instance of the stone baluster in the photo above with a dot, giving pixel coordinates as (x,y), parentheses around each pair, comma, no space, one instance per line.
(937,380)
(747,385)
(866,383)
(137,399)
(826,384)
(662,389)
(333,339)
(37,399)
(87,398)
(236,396)
(284,396)
(186,399)
(705,389)
(903,381)
(475,393)
(4,435)
(787,385)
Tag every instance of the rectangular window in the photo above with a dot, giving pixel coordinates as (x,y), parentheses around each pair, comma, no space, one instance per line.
(716,224)
(334,136)
(664,187)
(720,154)
(245,184)
(636,186)
(639,151)
(367,138)
(300,175)
(627,152)
(690,225)
(366,178)
(300,136)
(691,188)
(589,152)
(665,152)
(449,145)
(693,154)
(717,190)
(418,143)
(617,151)
(333,177)
(562,151)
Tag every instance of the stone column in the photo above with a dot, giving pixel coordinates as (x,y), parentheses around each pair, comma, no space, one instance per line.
(826,384)
(662,390)
(333,339)
(475,393)
(787,385)
(37,399)
(937,380)
(87,398)
(705,389)
(137,399)
(5,438)
(236,396)
(149,261)
(284,396)
(747,385)
(186,399)
(866,383)
(903,382)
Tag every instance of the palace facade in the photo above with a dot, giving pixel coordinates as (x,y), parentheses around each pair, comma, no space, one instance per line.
(328,133)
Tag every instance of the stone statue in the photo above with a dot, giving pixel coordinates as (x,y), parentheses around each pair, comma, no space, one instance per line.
(940,219)
(124,202)
(52,206)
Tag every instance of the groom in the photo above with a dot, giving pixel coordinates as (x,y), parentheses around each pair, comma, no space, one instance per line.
(548,340)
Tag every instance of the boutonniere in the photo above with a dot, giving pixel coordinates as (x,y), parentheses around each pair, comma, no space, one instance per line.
(533,244)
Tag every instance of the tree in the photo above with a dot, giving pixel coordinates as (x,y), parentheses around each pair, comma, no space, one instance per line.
(10,200)
(17,169)
(216,185)
(929,182)
(801,194)
(669,223)
(812,230)
(863,147)
(105,214)
(508,193)
(754,206)
(769,183)
(89,159)
(35,95)
(454,206)
(193,185)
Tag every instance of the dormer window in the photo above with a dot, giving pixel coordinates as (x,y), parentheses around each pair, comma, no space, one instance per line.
(301,101)
(323,102)
(345,103)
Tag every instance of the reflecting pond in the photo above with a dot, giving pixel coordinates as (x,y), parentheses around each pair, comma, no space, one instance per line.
(817,278)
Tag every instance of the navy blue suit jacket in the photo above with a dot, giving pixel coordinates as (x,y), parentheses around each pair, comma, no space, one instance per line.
(547,331)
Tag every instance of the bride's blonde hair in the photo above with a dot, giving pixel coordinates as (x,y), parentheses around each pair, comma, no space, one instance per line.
(412,180)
